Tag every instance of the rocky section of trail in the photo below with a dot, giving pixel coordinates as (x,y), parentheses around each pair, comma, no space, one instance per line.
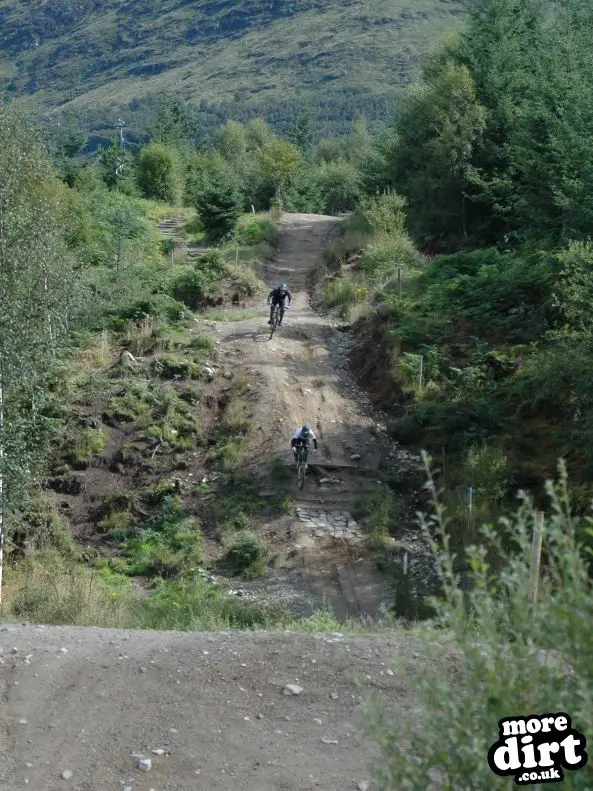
(106,710)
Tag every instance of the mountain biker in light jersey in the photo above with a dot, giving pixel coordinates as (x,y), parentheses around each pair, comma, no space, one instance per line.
(277,296)
(303,436)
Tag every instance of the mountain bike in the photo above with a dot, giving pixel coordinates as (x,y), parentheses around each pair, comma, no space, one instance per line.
(275,319)
(302,457)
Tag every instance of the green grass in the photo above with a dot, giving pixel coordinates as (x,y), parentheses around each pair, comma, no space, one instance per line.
(310,49)
(232,314)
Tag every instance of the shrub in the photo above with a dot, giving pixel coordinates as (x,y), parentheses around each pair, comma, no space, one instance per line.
(159,173)
(494,652)
(255,228)
(168,546)
(247,554)
(383,257)
(339,185)
(192,604)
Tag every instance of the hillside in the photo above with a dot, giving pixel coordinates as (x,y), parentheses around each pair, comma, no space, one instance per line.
(236,58)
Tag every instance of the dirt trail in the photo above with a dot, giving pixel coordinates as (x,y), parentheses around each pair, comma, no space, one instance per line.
(84,701)
(300,383)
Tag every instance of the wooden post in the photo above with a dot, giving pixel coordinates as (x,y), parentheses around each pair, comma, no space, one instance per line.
(399,281)
(536,555)
(470,492)
(252,209)
(405,564)
(420,377)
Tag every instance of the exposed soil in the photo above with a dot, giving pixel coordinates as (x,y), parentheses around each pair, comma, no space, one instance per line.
(83,701)
(303,378)
(303,374)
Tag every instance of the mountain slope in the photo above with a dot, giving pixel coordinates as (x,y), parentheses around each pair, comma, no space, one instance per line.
(90,53)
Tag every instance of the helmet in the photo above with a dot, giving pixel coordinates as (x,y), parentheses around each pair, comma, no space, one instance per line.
(305,431)
(283,287)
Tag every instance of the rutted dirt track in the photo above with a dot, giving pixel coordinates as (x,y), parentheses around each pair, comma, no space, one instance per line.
(301,383)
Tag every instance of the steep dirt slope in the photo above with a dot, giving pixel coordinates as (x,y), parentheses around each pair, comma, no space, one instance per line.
(83,701)
(301,381)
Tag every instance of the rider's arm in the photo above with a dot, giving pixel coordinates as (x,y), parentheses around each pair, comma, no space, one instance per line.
(289,295)
(269,297)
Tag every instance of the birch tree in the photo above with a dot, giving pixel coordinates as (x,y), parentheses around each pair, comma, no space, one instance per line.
(33,282)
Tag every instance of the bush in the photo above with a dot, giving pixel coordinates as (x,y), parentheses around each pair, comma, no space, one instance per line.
(339,186)
(157,305)
(247,554)
(168,546)
(495,654)
(194,285)
(382,258)
(194,605)
(255,228)
(159,173)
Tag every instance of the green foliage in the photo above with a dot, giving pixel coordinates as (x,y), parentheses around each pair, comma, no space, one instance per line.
(218,201)
(174,122)
(192,604)
(159,173)
(278,160)
(493,652)
(488,146)
(86,444)
(47,588)
(574,290)
(114,167)
(167,547)
(159,413)
(112,229)
(193,285)
(339,187)
(255,228)
(37,296)
(247,554)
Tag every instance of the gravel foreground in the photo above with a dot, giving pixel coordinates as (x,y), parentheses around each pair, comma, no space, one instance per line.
(82,708)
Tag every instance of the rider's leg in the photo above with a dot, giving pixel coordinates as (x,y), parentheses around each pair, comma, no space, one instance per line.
(281,313)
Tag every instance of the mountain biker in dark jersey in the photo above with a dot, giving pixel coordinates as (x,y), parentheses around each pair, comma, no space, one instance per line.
(303,436)
(277,296)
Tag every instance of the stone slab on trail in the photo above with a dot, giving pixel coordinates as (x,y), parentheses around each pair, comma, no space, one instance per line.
(209,710)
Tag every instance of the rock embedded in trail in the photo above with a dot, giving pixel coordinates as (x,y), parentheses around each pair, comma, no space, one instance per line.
(292,689)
